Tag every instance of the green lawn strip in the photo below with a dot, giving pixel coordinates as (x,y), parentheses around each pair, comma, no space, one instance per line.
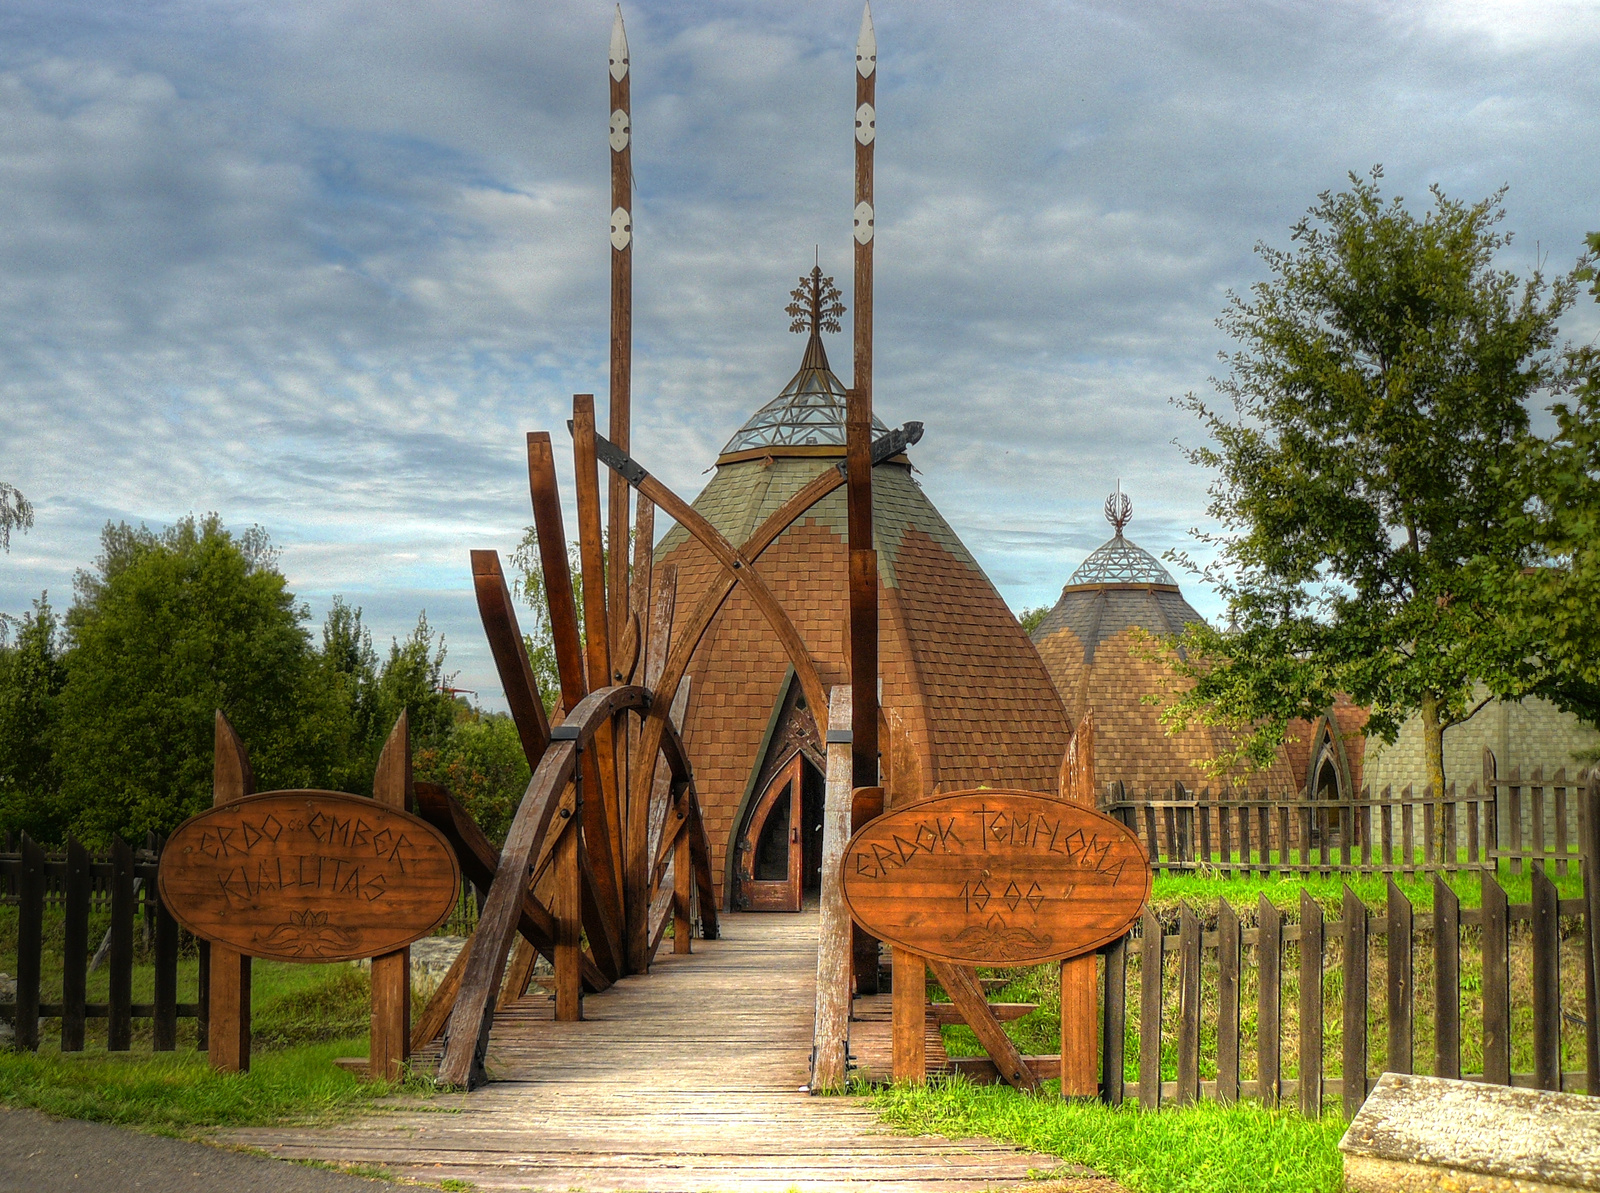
(177,1093)
(1202,891)
(1203,1148)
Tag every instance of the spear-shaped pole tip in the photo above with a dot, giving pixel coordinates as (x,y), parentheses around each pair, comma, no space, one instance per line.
(619,48)
(866,44)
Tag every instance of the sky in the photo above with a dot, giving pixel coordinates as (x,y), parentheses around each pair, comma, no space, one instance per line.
(318,266)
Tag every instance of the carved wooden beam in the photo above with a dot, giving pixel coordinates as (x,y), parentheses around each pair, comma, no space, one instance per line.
(961,984)
(499,617)
(479,860)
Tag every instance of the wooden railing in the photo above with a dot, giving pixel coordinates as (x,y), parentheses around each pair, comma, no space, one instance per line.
(1516,820)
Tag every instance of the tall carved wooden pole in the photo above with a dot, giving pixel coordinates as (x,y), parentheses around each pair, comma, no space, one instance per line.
(621,321)
(858,436)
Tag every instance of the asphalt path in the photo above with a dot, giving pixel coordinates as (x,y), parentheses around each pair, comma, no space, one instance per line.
(39,1154)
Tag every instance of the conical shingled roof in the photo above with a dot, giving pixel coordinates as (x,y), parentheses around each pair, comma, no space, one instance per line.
(1091,641)
(957,670)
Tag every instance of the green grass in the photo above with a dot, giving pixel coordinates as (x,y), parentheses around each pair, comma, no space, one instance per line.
(304,1016)
(1204,1148)
(1202,891)
(177,1093)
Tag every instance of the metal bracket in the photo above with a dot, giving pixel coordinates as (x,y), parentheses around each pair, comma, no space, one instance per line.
(840,737)
(563,733)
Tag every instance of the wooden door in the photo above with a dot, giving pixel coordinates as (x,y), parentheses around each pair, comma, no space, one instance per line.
(771,844)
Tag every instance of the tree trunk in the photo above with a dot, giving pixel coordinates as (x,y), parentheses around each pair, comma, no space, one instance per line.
(1433,743)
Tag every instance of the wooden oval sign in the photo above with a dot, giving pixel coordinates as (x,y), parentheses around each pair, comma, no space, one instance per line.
(995,878)
(309,876)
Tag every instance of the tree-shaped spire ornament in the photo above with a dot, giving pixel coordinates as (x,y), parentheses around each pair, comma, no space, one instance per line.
(816,307)
(1119,510)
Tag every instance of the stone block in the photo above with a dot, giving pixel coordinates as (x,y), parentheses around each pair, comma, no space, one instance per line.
(1434,1135)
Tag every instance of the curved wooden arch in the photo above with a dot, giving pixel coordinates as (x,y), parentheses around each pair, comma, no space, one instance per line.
(686,639)
(462,1063)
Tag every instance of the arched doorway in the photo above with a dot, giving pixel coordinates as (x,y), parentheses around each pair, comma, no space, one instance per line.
(780,843)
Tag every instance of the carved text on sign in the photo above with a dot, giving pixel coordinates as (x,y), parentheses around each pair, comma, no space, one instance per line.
(996,877)
(309,876)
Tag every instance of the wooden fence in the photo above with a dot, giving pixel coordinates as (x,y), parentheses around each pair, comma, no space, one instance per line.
(1514,820)
(76,881)
(1171,1016)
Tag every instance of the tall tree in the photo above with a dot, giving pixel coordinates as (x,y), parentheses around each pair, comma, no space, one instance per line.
(413,680)
(1554,607)
(1382,381)
(166,628)
(16,513)
(32,675)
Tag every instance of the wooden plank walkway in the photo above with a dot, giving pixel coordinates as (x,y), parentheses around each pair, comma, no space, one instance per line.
(684,1080)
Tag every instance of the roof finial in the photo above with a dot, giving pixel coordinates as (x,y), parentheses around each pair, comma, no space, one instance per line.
(1119,509)
(815,307)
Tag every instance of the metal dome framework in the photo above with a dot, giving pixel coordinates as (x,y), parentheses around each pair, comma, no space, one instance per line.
(1120,562)
(810,411)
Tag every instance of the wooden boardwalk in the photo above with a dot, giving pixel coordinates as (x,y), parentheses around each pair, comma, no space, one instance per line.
(687,1079)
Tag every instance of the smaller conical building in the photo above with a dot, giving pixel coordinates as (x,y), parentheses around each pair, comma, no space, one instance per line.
(1093,645)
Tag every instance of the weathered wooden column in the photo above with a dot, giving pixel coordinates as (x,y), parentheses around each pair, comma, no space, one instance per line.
(390,1042)
(228,1041)
(621,405)
(830,1042)
(858,436)
(1080,1019)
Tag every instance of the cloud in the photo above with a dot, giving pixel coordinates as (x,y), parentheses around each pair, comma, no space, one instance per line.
(319,266)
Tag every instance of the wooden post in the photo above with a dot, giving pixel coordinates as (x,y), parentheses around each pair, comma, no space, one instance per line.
(1150,970)
(1447,980)
(75,947)
(1496,982)
(228,1021)
(1116,1022)
(1080,1028)
(1269,1000)
(391,973)
(30,944)
(1355,1002)
(682,893)
(1546,925)
(119,1010)
(567,908)
(621,138)
(830,1037)
(858,435)
(602,806)
(1401,995)
(1589,864)
(1188,1006)
(1228,940)
(1310,1006)
(910,1023)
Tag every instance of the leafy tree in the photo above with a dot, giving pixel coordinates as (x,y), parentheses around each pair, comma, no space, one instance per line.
(1382,381)
(1031,617)
(483,765)
(413,680)
(346,683)
(32,675)
(1551,608)
(167,628)
(16,513)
